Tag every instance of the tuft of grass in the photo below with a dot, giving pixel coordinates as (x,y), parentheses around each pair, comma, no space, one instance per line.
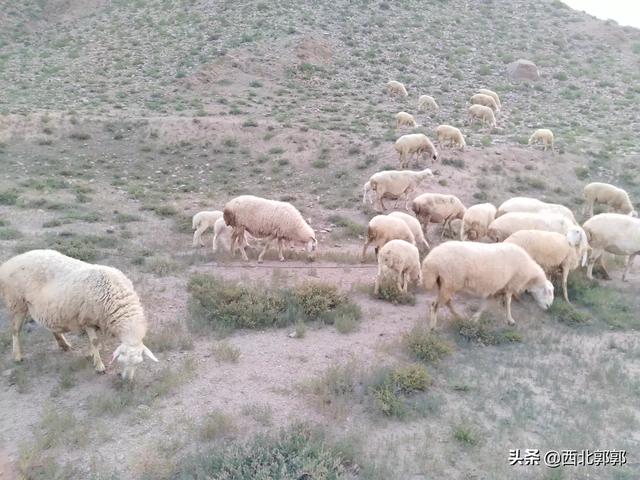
(263,414)
(426,346)
(216,425)
(8,197)
(9,233)
(568,314)
(348,228)
(466,433)
(225,352)
(161,266)
(389,292)
(484,333)
(170,337)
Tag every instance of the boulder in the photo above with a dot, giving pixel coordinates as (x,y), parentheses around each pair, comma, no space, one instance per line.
(523,70)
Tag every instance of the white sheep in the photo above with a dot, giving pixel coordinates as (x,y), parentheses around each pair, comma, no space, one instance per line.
(615,198)
(396,88)
(486,100)
(482,113)
(476,221)
(483,270)
(427,101)
(201,222)
(414,226)
(613,233)
(544,136)
(553,251)
(402,260)
(414,143)
(533,205)
(492,94)
(394,184)
(452,135)
(67,295)
(270,219)
(510,223)
(382,229)
(404,119)
(222,235)
(437,208)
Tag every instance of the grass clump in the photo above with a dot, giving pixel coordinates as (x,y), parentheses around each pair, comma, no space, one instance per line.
(484,333)
(391,386)
(466,434)
(426,346)
(225,352)
(568,314)
(216,425)
(389,292)
(348,228)
(8,197)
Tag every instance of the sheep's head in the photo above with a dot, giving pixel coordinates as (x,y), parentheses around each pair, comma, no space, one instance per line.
(543,294)
(311,245)
(577,238)
(130,356)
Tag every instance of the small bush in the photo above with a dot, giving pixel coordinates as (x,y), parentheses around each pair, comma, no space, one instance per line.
(582,172)
(216,425)
(225,352)
(391,386)
(568,314)
(425,345)
(466,433)
(389,292)
(484,333)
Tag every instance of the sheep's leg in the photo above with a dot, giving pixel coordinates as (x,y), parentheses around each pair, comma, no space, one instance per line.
(628,267)
(425,227)
(405,281)
(94,345)
(364,250)
(376,286)
(266,246)
(197,236)
(604,268)
(433,314)
(595,255)
(565,275)
(507,298)
(62,342)
(235,241)
(281,249)
(451,308)
(445,226)
(483,306)
(382,204)
(18,321)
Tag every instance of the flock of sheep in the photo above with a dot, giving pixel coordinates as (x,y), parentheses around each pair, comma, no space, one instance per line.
(501,251)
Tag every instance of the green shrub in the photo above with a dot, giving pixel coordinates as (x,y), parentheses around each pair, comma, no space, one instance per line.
(411,378)
(389,292)
(350,229)
(426,346)
(216,425)
(484,333)
(8,197)
(568,314)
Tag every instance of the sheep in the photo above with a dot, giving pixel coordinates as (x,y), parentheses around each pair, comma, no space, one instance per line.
(201,222)
(64,294)
(476,220)
(405,119)
(486,100)
(401,258)
(222,234)
(482,113)
(483,270)
(414,143)
(270,219)
(394,184)
(544,136)
(437,208)
(396,88)
(615,198)
(427,101)
(613,233)
(451,134)
(533,205)
(510,223)
(414,226)
(552,250)
(383,228)
(493,95)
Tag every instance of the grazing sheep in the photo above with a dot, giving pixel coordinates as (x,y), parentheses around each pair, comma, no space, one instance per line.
(533,205)
(493,95)
(544,136)
(484,270)
(615,198)
(201,222)
(425,102)
(414,143)
(268,219)
(222,234)
(403,260)
(67,295)
(451,134)
(486,100)
(613,233)
(405,119)
(510,223)
(396,88)
(482,113)
(394,184)
(476,221)
(383,228)
(553,251)
(437,208)
(414,226)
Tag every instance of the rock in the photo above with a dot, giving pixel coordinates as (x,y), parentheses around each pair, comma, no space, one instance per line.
(523,70)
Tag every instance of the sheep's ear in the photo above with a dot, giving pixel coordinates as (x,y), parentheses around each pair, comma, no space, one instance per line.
(148,353)
(116,353)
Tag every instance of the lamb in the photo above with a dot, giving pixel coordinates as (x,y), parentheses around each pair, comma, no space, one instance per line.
(510,223)
(270,219)
(486,100)
(615,198)
(613,233)
(533,205)
(437,208)
(483,270)
(414,226)
(222,234)
(493,95)
(403,260)
(552,250)
(396,88)
(544,136)
(382,229)
(426,101)
(394,184)
(482,113)
(451,134)
(405,119)
(201,222)
(414,143)
(476,220)
(64,294)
